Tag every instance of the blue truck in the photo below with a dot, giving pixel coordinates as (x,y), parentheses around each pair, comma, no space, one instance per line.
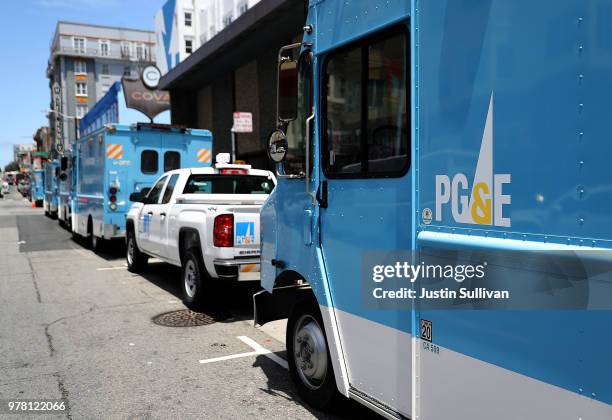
(117,160)
(38,187)
(51,185)
(453,133)
(66,189)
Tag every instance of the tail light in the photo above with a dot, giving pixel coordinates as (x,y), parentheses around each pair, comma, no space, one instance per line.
(112,197)
(223,230)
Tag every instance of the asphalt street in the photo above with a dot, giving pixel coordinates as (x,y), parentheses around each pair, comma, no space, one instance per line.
(78,326)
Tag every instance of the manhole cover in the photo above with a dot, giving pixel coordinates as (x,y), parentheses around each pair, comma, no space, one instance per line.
(183,318)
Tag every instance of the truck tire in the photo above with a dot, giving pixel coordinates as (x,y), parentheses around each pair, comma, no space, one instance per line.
(308,356)
(194,280)
(136,260)
(96,243)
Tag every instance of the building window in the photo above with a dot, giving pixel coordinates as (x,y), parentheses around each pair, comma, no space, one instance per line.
(81,110)
(242,8)
(127,71)
(105,70)
(140,51)
(126,49)
(188,19)
(81,89)
(79,45)
(188,46)
(227,19)
(104,48)
(148,162)
(80,67)
(367,109)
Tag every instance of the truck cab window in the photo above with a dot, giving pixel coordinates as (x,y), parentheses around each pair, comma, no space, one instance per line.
(172,161)
(153,196)
(170,188)
(366,109)
(295,161)
(148,162)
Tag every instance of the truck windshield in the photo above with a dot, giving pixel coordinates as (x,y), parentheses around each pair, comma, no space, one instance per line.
(228,184)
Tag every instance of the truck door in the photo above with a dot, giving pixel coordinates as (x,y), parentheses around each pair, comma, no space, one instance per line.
(149,218)
(160,222)
(365,153)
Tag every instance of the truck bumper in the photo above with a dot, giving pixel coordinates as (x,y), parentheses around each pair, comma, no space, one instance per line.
(243,269)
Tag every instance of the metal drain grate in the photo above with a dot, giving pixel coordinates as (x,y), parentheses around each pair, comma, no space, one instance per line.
(183,318)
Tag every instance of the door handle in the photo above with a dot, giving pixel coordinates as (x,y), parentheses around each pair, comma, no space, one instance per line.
(162,214)
(150,213)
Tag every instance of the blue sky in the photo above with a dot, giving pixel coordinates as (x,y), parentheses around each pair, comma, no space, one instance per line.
(26,28)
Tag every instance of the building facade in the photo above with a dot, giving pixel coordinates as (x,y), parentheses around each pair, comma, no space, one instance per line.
(183,26)
(85,61)
(236,71)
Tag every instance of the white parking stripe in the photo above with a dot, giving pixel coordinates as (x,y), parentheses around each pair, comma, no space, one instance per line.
(111,268)
(259,350)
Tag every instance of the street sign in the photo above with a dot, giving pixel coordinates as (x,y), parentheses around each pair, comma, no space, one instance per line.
(243,122)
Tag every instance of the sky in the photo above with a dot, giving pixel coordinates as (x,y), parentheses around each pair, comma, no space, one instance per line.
(26,30)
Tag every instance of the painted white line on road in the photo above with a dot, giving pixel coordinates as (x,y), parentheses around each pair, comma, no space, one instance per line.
(110,268)
(259,350)
(233,356)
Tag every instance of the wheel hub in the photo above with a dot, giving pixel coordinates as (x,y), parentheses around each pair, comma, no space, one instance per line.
(190,278)
(310,352)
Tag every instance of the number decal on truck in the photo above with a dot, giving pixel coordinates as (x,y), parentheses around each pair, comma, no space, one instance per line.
(426,330)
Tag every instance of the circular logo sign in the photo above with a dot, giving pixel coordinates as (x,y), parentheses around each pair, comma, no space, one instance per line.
(151,76)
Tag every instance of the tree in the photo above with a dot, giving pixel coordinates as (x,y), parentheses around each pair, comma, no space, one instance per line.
(12,166)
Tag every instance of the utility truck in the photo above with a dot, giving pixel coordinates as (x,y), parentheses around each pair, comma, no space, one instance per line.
(51,186)
(445,133)
(205,220)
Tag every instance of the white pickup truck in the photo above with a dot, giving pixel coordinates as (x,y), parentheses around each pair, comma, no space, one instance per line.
(205,220)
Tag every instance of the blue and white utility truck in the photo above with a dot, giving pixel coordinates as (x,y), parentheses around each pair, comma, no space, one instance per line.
(472,136)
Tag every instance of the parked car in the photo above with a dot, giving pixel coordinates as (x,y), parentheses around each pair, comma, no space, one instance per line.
(205,220)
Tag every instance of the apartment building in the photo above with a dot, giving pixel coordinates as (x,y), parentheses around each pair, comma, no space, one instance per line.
(183,26)
(85,61)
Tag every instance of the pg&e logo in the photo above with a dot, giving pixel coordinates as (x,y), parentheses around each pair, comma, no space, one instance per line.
(483,204)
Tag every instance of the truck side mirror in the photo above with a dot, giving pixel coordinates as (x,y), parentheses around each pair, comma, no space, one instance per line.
(64,163)
(277,146)
(137,197)
(287,90)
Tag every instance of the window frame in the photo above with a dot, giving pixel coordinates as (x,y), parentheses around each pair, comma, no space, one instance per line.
(362,44)
(78,63)
(164,179)
(179,159)
(85,92)
(81,106)
(74,44)
(186,19)
(156,161)
(189,39)
(171,177)
(106,43)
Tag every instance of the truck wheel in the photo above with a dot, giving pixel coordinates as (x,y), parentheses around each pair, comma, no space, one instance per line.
(136,260)
(308,356)
(193,274)
(96,244)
